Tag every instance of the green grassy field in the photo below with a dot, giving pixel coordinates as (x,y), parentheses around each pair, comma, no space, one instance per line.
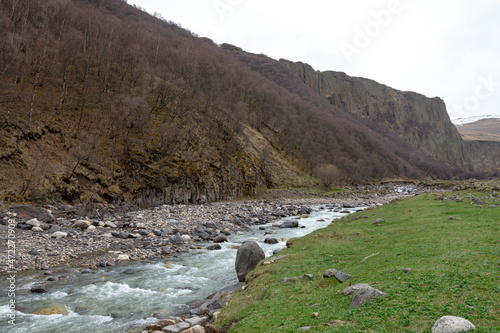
(451,245)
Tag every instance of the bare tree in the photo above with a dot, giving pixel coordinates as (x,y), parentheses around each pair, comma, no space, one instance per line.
(328,174)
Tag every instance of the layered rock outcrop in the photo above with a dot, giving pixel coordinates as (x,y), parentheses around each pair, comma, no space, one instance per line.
(485,155)
(421,121)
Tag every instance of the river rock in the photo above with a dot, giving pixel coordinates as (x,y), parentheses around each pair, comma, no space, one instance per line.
(34,223)
(214,247)
(204,235)
(37,229)
(119,234)
(52,310)
(289,224)
(123,257)
(247,258)
(211,225)
(452,324)
(177,239)
(38,288)
(195,329)
(179,327)
(140,225)
(34,252)
(271,241)
(195,321)
(339,275)
(82,308)
(364,295)
(110,224)
(54,228)
(220,239)
(81,224)
(186,238)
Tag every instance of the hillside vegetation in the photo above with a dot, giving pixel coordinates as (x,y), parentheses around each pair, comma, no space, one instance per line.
(101,102)
(433,255)
(419,120)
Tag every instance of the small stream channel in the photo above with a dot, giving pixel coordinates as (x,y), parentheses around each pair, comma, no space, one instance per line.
(109,300)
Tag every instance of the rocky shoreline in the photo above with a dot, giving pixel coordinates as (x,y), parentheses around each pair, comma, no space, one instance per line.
(55,236)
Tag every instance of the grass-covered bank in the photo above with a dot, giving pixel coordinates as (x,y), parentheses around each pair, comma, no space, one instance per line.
(451,245)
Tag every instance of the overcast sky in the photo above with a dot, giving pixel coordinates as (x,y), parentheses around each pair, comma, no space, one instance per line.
(445,48)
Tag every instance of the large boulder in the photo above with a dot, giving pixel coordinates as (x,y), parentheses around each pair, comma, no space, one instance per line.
(29,212)
(247,258)
(452,324)
(364,295)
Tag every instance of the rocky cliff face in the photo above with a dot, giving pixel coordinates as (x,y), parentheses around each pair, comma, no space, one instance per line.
(485,156)
(421,121)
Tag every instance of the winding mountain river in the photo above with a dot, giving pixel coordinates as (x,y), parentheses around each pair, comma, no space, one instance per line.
(113,300)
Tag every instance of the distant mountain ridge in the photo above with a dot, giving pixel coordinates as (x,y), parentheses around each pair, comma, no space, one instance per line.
(471,119)
(481,130)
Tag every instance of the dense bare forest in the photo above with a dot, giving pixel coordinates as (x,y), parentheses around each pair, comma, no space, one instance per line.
(99,101)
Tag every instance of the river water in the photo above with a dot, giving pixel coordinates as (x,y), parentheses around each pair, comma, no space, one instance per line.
(109,300)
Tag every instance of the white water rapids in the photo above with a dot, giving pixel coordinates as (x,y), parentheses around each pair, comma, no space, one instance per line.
(107,300)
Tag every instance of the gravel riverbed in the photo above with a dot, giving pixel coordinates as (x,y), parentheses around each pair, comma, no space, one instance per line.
(55,236)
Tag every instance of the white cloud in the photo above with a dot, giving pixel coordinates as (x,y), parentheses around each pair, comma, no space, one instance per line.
(438,48)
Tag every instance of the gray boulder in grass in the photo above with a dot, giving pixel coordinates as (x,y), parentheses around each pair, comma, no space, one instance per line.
(452,324)
(364,295)
(247,258)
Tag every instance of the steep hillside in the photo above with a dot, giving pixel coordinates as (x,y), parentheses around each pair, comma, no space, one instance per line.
(481,130)
(421,121)
(101,102)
